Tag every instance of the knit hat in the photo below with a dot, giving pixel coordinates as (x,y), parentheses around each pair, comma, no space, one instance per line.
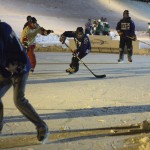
(126,12)
(79,29)
(33,20)
(29,18)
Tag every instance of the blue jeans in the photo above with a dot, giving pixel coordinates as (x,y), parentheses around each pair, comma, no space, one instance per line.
(18,82)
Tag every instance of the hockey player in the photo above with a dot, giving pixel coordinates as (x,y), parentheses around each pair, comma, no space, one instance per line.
(126,31)
(83,47)
(14,70)
(28,39)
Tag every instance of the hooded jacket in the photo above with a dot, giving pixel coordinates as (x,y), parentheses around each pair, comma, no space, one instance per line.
(126,26)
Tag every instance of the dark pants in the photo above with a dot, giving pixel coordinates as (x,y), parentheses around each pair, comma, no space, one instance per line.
(125,42)
(75,61)
(18,82)
(88,31)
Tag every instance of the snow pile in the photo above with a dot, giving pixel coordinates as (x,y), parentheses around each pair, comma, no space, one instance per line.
(48,40)
(53,39)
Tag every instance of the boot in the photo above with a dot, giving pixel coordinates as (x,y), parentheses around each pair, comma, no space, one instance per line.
(129,55)
(71,70)
(129,59)
(121,56)
(42,133)
(68,70)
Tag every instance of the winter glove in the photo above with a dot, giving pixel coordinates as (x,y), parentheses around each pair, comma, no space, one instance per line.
(50,31)
(75,51)
(25,45)
(120,33)
(5,73)
(62,39)
(133,37)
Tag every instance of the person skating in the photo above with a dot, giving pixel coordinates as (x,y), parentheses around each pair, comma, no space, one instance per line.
(28,39)
(83,47)
(126,30)
(14,70)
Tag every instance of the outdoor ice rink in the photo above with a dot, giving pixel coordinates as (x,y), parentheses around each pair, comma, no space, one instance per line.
(70,104)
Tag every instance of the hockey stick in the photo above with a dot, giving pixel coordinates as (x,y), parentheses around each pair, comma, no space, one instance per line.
(138,40)
(97,76)
(133,39)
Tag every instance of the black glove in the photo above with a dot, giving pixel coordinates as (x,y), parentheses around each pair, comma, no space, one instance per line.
(5,73)
(50,31)
(120,33)
(75,52)
(62,39)
(25,45)
(133,37)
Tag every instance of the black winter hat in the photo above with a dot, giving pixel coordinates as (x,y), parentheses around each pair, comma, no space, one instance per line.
(33,20)
(79,29)
(126,12)
(29,18)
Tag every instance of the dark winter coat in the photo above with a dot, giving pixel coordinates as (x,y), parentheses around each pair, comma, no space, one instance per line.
(126,26)
(11,49)
(83,45)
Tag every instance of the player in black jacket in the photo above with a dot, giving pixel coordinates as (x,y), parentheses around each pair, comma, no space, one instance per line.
(83,47)
(126,31)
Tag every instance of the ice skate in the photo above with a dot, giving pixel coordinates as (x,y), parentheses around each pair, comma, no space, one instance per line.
(42,134)
(68,70)
(71,70)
